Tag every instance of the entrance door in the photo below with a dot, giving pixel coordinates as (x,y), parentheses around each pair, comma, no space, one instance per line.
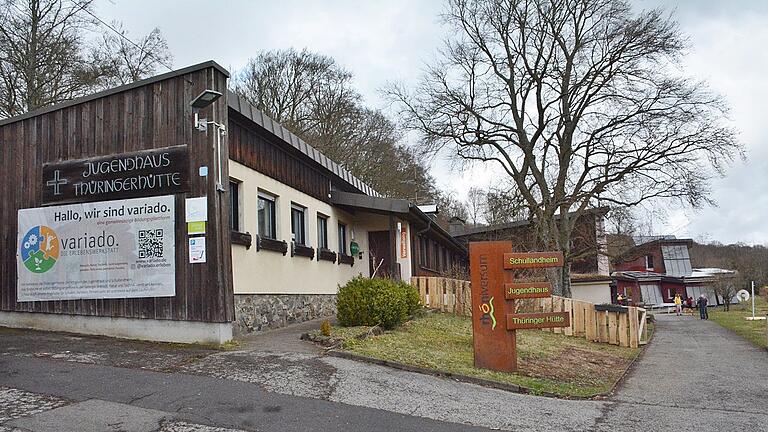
(380,256)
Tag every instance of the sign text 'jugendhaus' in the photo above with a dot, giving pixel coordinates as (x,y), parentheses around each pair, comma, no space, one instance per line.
(526,290)
(163,171)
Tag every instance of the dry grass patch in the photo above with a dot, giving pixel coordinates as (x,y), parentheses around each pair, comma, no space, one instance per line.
(548,362)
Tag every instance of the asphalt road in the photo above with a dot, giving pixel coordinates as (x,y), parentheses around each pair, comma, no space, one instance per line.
(693,376)
(697,376)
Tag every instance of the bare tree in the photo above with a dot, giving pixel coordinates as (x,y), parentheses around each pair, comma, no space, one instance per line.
(300,89)
(130,60)
(313,96)
(575,101)
(504,205)
(475,204)
(42,56)
(726,286)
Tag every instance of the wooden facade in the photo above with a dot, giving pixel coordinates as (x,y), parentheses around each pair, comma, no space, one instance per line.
(252,147)
(585,249)
(432,257)
(153,113)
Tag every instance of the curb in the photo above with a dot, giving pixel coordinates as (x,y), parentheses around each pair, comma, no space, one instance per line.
(512,388)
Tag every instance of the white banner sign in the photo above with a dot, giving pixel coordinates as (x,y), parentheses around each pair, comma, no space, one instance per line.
(108,249)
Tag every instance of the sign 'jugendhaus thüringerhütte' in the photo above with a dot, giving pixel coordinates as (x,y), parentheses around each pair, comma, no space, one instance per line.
(161,171)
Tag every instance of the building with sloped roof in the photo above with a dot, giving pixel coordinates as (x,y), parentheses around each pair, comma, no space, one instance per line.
(252,227)
(657,268)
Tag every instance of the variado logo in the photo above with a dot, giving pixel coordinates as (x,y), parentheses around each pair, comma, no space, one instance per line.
(488,312)
(39,249)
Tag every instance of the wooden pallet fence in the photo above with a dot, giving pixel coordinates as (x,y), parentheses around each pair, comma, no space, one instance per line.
(446,295)
(623,327)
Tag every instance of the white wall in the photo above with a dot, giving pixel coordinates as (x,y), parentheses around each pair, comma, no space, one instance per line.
(268,272)
(593,292)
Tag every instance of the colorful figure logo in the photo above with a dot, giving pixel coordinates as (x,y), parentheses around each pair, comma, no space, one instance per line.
(39,249)
(488,310)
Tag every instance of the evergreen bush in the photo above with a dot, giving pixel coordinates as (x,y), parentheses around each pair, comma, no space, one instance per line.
(381,302)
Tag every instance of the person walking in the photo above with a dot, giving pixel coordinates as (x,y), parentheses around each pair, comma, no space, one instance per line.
(702,305)
(678,305)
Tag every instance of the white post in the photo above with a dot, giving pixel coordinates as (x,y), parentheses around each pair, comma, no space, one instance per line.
(753,300)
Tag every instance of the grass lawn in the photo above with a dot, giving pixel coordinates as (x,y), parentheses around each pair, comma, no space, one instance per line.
(753,331)
(548,362)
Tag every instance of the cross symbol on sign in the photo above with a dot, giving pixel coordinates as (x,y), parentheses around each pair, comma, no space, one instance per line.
(56,182)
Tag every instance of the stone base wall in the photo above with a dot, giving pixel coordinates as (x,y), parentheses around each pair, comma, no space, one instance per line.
(258,312)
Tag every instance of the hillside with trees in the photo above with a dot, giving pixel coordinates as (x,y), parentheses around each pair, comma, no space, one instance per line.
(750,261)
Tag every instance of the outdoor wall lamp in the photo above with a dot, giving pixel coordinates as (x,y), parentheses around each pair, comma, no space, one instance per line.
(202,100)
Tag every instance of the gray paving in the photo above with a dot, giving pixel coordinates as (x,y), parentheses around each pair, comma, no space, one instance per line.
(694,376)
(699,365)
(93,416)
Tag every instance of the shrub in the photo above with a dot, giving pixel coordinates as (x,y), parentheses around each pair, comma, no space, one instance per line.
(371,302)
(325,328)
(412,297)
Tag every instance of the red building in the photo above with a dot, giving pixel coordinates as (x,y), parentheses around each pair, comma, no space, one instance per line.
(656,269)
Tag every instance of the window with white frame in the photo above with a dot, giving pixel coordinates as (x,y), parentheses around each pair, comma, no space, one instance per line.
(299,224)
(322,231)
(649,262)
(267,217)
(342,238)
(234,205)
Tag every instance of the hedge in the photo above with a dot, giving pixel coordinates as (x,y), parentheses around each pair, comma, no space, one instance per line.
(370,302)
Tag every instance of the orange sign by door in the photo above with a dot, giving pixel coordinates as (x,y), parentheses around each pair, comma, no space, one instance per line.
(403,243)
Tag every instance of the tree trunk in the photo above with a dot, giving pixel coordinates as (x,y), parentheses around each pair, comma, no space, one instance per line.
(565,281)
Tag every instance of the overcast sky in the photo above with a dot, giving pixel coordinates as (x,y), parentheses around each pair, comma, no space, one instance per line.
(381,41)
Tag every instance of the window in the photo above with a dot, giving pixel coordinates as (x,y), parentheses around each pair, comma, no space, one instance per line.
(342,239)
(298,224)
(649,262)
(671,293)
(266,215)
(322,231)
(234,205)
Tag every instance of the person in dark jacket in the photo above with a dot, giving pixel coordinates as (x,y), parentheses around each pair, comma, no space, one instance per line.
(701,303)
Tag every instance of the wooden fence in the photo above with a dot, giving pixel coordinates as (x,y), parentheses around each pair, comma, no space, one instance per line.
(616,325)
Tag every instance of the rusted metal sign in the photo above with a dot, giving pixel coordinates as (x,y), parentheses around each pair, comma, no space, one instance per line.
(494,345)
(494,292)
(526,260)
(523,321)
(526,290)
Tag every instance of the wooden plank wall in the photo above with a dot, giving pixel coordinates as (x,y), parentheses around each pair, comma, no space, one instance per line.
(623,329)
(154,115)
(257,149)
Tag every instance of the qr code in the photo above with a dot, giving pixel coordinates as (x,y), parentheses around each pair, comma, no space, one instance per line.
(151,243)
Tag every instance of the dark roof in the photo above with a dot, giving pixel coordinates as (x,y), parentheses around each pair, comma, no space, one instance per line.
(399,207)
(115,90)
(632,253)
(244,108)
(460,231)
